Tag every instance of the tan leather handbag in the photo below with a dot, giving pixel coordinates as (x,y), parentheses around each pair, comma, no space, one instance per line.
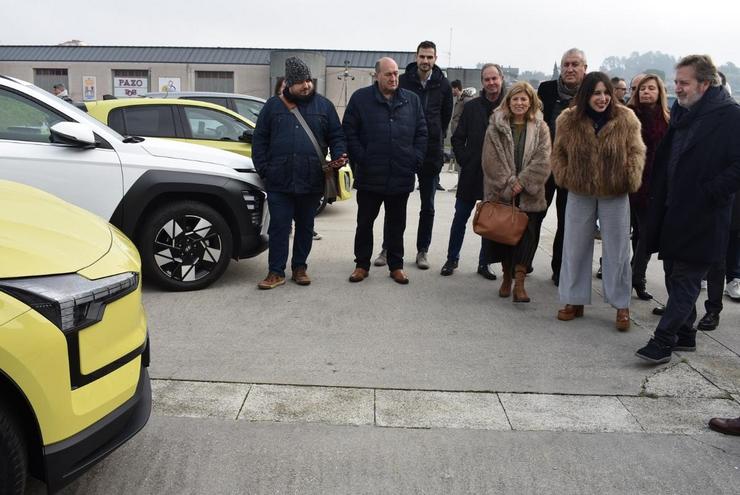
(500,222)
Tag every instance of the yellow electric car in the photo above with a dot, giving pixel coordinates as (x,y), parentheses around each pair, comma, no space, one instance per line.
(74,348)
(191,121)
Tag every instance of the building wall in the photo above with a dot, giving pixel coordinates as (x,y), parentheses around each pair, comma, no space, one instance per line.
(248,79)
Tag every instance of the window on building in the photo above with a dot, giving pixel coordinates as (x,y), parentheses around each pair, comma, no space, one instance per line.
(222,82)
(47,78)
(130,83)
(145,120)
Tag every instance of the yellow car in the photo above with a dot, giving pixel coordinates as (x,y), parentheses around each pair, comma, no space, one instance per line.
(191,121)
(74,348)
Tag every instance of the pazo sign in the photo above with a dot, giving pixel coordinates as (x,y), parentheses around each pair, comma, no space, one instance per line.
(130,86)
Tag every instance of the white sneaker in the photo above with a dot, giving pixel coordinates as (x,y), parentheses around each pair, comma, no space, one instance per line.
(733,289)
(703,285)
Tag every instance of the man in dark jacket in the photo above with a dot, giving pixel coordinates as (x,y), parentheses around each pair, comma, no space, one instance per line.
(556,96)
(387,138)
(695,176)
(424,78)
(289,163)
(467,143)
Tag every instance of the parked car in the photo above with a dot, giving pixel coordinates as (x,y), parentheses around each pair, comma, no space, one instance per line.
(247,106)
(180,120)
(74,349)
(189,209)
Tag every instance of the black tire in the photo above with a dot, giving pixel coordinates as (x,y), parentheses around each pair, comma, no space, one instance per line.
(185,245)
(322,205)
(13,455)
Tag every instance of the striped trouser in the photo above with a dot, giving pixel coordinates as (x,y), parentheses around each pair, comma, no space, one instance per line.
(613,213)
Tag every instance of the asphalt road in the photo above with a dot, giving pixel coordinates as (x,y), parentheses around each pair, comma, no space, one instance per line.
(223,347)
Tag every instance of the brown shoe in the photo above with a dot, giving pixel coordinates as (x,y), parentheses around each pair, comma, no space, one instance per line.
(359,275)
(399,277)
(520,295)
(505,289)
(623,319)
(301,277)
(570,311)
(271,281)
(728,426)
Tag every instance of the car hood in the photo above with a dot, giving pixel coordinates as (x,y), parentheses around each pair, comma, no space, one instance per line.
(42,235)
(180,150)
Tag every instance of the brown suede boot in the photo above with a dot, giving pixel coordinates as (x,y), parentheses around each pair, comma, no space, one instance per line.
(520,273)
(505,290)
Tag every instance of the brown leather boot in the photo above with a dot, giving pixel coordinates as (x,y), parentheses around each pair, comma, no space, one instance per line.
(358,275)
(623,319)
(505,290)
(520,273)
(570,311)
(301,277)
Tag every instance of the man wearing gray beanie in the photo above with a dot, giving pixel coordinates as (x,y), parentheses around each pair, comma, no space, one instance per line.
(287,160)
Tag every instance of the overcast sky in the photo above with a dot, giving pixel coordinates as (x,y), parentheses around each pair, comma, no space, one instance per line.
(527,34)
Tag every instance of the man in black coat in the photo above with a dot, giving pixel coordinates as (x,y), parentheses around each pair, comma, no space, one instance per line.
(386,138)
(556,96)
(467,144)
(424,78)
(695,176)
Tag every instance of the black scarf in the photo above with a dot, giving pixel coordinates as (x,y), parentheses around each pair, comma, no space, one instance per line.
(298,99)
(599,118)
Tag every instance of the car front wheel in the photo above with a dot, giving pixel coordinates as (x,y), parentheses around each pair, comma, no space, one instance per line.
(185,245)
(13,455)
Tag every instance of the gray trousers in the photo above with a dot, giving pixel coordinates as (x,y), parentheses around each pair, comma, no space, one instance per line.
(578,249)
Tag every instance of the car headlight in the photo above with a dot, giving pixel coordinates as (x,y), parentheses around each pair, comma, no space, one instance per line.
(71,302)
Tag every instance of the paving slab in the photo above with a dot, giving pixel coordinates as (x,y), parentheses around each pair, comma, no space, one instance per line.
(425,409)
(679,415)
(333,405)
(198,399)
(723,371)
(681,380)
(567,413)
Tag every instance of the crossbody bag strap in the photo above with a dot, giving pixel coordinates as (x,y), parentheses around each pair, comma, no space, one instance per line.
(294,110)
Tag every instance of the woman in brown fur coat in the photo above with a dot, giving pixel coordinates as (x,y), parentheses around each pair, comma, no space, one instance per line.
(516,163)
(598,155)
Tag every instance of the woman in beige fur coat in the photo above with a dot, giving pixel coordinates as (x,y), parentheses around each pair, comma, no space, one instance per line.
(598,155)
(516,163)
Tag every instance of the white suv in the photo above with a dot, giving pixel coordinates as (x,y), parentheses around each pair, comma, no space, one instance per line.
(188,208)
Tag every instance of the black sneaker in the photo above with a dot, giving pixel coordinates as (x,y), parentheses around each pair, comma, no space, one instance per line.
(709,322)
(685,343)
(485,272)
(448,268)
(654,352)
(659,311)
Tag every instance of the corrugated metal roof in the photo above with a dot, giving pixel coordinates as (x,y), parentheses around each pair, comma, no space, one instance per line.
(186,55)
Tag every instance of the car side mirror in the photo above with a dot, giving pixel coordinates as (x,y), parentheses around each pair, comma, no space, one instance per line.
(247,136)
(72,133)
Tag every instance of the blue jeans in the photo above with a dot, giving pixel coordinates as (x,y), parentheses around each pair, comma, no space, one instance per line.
(427,189)
(683,282)
(463,208)
(284,209)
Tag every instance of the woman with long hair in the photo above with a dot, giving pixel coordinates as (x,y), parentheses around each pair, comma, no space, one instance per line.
(598,155)
(650,104)
(516,164)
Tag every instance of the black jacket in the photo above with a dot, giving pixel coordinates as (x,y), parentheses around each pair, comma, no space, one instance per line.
(282,151)
(552,105)
(386,139)
(693,225)
(436,100)
(467,144)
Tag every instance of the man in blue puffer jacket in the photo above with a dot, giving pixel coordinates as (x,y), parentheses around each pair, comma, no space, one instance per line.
(286,159)
(387,139)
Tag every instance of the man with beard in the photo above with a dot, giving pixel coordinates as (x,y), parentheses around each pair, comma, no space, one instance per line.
(387,138)
(556,96)
(696,173)
(424,78)
(286,157)
(467,144)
